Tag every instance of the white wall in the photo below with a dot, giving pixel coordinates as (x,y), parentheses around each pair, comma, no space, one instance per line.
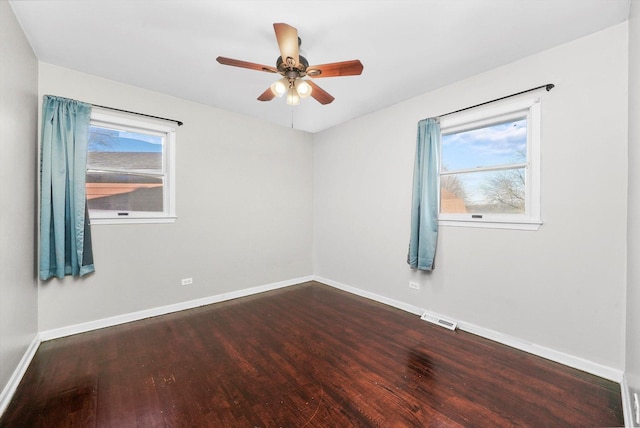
(18,163)
(633,240)
(562,287)
(244,205)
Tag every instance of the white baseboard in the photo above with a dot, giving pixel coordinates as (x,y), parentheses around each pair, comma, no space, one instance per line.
(18,373)
(514,342)
(148,313)
(627,403)
(372,296)
(579,363)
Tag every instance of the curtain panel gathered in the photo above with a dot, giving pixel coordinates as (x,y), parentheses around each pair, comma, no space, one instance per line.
(65,233)
(424,206)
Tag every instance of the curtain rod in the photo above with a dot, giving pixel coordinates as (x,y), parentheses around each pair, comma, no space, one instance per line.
(139,114)
(548,87)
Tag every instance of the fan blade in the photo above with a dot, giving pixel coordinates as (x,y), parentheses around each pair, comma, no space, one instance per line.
(322,96)
(344,68)
(266,95)
(287,37)
(244,64)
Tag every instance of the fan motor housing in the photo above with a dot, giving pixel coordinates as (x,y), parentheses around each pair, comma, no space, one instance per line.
(287,71)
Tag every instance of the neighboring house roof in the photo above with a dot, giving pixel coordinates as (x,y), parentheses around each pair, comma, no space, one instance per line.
(450,203)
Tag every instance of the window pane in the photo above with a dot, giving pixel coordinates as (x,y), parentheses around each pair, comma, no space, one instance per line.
(114,191)
(500,144)
(124,171)
(495,192)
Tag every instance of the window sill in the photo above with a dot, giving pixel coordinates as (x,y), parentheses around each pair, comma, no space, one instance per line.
(495,224)
(133,220)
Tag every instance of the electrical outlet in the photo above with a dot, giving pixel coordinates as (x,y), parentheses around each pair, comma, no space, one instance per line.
(414,285)
(187,281)
(636,407)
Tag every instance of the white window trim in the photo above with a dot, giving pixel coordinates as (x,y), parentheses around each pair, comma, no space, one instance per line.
(532,219)
(168,216)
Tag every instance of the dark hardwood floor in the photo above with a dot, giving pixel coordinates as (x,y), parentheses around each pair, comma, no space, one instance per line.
(303,356)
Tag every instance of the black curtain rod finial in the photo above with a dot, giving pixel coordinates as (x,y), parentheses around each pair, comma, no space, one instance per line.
(550,86)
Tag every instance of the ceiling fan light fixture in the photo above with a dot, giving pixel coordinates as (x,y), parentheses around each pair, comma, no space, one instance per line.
(304,88)
(280,87)
(293,98)
(294,67)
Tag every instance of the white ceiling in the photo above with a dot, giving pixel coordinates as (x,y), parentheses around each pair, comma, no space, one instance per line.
(408,47)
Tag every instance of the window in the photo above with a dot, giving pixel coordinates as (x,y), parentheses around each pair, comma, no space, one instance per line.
(130,171)
(490,167)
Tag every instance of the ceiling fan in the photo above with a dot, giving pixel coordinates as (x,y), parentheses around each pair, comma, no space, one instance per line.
(294,67)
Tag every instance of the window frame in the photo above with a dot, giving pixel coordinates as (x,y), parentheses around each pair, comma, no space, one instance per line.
(168,215)
(483,117)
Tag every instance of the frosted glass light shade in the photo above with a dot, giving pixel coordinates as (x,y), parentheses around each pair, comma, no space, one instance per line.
(280,87)
(303,88)
(293,99)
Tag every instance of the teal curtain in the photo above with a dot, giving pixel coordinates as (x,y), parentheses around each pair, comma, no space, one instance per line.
(424,207)
(65,233)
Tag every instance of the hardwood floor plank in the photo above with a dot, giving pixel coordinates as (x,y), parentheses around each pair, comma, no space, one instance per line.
(303,356)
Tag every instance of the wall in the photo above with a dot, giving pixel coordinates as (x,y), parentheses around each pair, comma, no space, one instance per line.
(18,163)
(244,205)
(562,287)
(633,240)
